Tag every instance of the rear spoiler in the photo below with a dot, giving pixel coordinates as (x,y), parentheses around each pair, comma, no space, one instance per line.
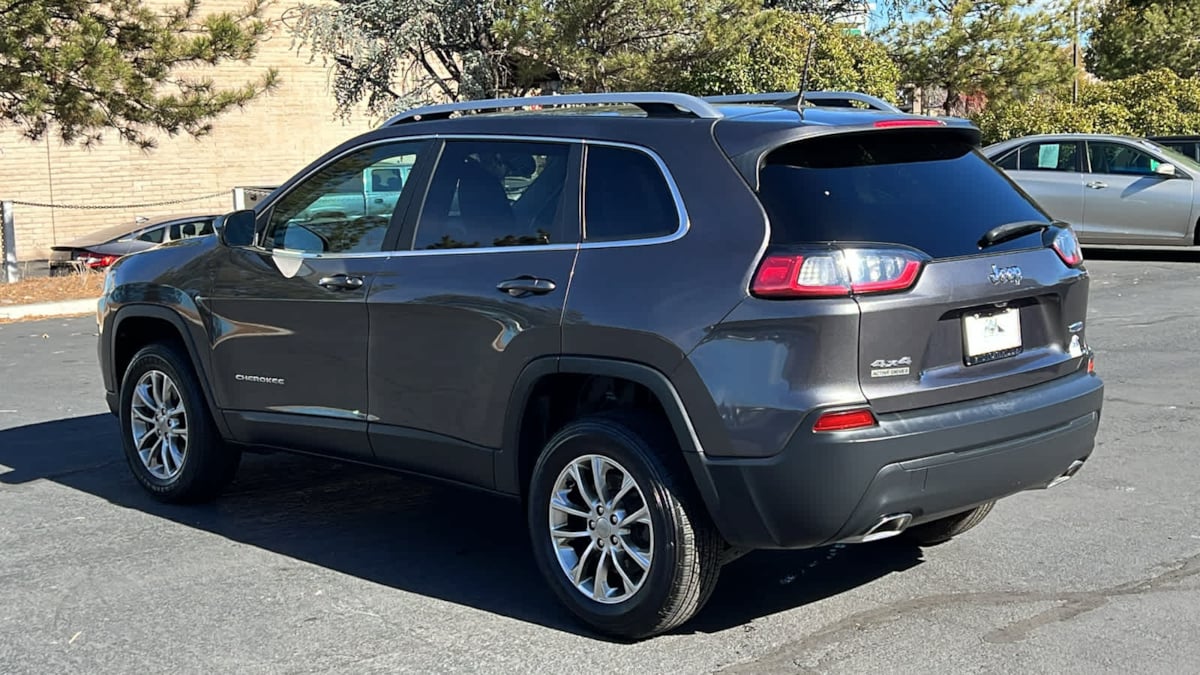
(749,161)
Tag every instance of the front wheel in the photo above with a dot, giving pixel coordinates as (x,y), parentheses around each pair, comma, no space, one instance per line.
(616,532)
(172,446)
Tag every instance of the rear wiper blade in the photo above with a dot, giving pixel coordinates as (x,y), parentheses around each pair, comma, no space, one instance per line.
(1007,231)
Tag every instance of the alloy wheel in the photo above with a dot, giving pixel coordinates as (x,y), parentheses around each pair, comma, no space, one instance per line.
(159,424)
(601,529)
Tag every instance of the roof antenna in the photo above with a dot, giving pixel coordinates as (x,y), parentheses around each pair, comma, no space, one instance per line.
(812,37)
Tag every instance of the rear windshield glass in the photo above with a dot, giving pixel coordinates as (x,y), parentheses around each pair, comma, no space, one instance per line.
(935,194)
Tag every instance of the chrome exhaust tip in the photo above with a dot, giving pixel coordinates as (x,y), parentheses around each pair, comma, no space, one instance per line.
(1066,475)
(887,526)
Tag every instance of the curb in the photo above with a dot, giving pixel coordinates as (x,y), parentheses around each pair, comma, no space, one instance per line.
(49,309)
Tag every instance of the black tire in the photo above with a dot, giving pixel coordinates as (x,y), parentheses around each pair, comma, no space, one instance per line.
(686,549)
(208,464)
(944,529)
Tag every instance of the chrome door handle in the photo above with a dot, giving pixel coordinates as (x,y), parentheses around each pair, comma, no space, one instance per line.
(527,285)
(1097,185)
(341,282)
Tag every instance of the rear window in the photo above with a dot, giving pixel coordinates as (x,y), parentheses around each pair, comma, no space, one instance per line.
(927,191)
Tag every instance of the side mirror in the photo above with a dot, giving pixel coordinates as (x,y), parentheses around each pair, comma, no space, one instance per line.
(236,229)
(1165,169)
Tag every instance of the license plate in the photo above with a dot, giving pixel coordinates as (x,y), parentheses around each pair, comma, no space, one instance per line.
(987,337)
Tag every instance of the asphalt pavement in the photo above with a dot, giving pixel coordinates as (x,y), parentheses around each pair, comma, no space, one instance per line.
(312,566)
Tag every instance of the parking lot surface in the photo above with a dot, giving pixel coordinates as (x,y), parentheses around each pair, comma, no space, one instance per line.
(311,566)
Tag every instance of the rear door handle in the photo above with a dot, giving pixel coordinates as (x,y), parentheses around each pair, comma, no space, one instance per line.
(1097,185)
(341,282)
(526,285)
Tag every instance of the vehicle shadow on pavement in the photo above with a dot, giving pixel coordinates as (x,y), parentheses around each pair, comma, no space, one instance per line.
(408,534)
(1183,255)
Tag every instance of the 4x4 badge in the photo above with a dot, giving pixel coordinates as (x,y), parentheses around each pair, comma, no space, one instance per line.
(891,367)
(1005,275)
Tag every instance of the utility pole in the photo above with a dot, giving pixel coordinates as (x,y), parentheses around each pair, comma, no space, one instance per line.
(1075,55)
(8,245)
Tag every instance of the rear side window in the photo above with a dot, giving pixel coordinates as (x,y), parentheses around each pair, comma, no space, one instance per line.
(497,193)
(1050,157)
(923,190)
(155,235)
(626,196)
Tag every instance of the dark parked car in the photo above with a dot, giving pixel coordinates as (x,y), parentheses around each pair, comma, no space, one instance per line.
(675,330)
(1188,146)
(102,248)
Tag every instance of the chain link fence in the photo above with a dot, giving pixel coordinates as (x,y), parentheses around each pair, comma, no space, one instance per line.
(243,198)
(101,207)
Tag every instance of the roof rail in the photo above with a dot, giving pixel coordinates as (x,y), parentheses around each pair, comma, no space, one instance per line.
(665,104)
(791,98)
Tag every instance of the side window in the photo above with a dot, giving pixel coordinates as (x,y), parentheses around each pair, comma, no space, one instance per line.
(496,193)
(155,235)
(333,211)
(626,196)
(1009,161)
(1120,159)
(1189,149)
(1049,157)
(190,229)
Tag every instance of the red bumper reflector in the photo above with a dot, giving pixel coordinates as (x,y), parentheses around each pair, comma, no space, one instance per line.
(844,420)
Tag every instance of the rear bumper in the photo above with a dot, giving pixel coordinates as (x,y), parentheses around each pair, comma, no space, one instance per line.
(930,463)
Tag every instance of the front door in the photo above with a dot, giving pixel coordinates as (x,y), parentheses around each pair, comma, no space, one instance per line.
(480,294)
(1126,201)
(290,318)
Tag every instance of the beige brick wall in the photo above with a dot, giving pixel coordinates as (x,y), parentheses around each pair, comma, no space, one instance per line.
(263,144)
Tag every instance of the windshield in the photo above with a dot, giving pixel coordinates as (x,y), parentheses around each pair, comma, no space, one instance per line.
(1177,158)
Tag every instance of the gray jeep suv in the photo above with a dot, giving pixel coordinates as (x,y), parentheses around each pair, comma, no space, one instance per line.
(676,329)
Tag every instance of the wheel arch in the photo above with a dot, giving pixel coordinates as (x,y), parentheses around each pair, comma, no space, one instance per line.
(135,326)
(516,456)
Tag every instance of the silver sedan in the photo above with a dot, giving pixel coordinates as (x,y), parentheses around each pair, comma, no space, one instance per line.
(1113,190)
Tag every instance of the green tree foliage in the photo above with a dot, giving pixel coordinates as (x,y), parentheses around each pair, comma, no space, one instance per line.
(1158,102)
(395,54)
(769,55)
(1135,36)
(1003,49)
(86,66)
(613,45)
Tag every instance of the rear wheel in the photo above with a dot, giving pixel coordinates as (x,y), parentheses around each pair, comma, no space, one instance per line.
(172,446)
(945,529)
(616,533)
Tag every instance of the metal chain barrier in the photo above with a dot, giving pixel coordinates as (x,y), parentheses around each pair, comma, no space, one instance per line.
(97,207)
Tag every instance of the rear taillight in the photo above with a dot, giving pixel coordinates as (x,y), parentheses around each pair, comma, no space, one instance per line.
(95,260)
(1067,247)
(911,122)
(834,273)
(845,420)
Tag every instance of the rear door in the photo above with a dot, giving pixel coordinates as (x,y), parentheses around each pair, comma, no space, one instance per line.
(976,320)
(1127,202)
(1051,172)
(479,295)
